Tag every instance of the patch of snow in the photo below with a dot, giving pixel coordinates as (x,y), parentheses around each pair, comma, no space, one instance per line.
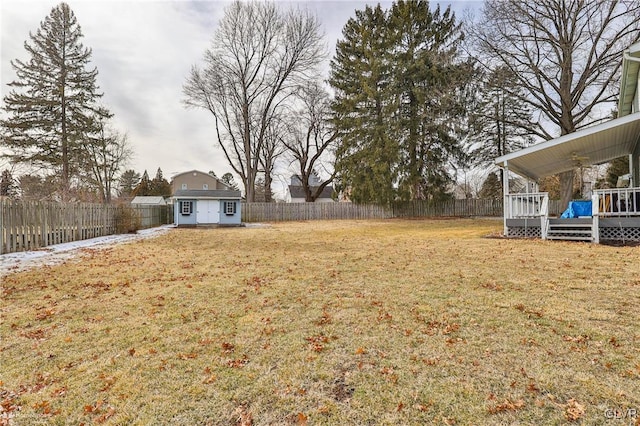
(256,225)
(58,253)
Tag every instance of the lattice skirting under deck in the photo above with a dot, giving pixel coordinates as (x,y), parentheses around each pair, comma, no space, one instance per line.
(620,234)
(524,232)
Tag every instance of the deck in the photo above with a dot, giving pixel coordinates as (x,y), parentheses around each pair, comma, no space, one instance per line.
(615,218)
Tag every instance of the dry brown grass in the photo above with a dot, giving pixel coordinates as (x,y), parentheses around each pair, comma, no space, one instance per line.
(360,322)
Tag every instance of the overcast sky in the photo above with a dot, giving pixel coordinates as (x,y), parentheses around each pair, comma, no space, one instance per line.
(143,51)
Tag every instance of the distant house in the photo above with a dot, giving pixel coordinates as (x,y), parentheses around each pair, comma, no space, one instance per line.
(196,180)
(296,190)
(193,207)
(149,200)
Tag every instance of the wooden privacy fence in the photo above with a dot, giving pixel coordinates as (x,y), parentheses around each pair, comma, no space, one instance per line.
(449,208)
(29,225)
(278,212)
(471,207)
(275,212)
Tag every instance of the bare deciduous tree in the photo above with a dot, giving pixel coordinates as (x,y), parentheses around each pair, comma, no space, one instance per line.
(258,56)
(271,149)
(312,139)
(565,54)
(106,155)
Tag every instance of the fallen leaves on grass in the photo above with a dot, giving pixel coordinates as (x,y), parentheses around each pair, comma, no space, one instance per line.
(8,403)
(186,356)
(324,319)
(316,343)
(238,362)
(243,416)
(573,410)
(531,313)
(44,409)
(507,404)
(101,410)
(44,314)
(227,348)
(302,419)
(36,334)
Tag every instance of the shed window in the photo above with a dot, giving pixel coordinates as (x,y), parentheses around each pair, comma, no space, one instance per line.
(205,186)
(186,207)
(229,208)
(184,186)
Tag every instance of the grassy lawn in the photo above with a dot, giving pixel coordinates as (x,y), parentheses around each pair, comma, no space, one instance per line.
(355,322)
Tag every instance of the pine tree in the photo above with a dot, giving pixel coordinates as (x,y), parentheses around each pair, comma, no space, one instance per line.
(398,79)
(128,182)
(228,180)
(38,188)
(491,187)
(427,78)
(159,185)
(53,104)
(361,78)
(617,168)
(499,120)
(144,186)
(8,187)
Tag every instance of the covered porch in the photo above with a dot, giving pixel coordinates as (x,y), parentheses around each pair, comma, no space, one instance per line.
(609,215)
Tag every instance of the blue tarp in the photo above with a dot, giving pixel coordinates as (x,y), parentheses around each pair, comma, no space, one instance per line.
(576,209)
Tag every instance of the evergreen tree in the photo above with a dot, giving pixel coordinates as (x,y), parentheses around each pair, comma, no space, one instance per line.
(52,107)
(617,168)
(499,121)
(8,187)
(361,78)
(228,180)
(38,188)
(398,80)
(159,185)
(144,186)
(491,187)
(427,79)
(129,180)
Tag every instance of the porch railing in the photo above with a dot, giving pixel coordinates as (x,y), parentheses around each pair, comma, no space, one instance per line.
(531,205)
(528,206)
(616,202)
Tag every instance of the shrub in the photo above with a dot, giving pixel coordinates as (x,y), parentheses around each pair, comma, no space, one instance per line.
(127,220)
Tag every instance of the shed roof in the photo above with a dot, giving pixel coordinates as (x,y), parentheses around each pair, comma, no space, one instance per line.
(593,145)
(207,194)
(148,199)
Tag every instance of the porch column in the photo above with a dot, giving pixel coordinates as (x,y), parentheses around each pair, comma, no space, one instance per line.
(506,208)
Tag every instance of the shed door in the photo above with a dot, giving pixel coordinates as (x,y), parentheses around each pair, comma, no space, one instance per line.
(208,211)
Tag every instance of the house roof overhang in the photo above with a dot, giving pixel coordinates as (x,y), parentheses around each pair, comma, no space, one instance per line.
(590,146)
(629,79)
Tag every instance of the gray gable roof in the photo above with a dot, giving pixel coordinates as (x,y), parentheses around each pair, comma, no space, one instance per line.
(212,193)
(298,191)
